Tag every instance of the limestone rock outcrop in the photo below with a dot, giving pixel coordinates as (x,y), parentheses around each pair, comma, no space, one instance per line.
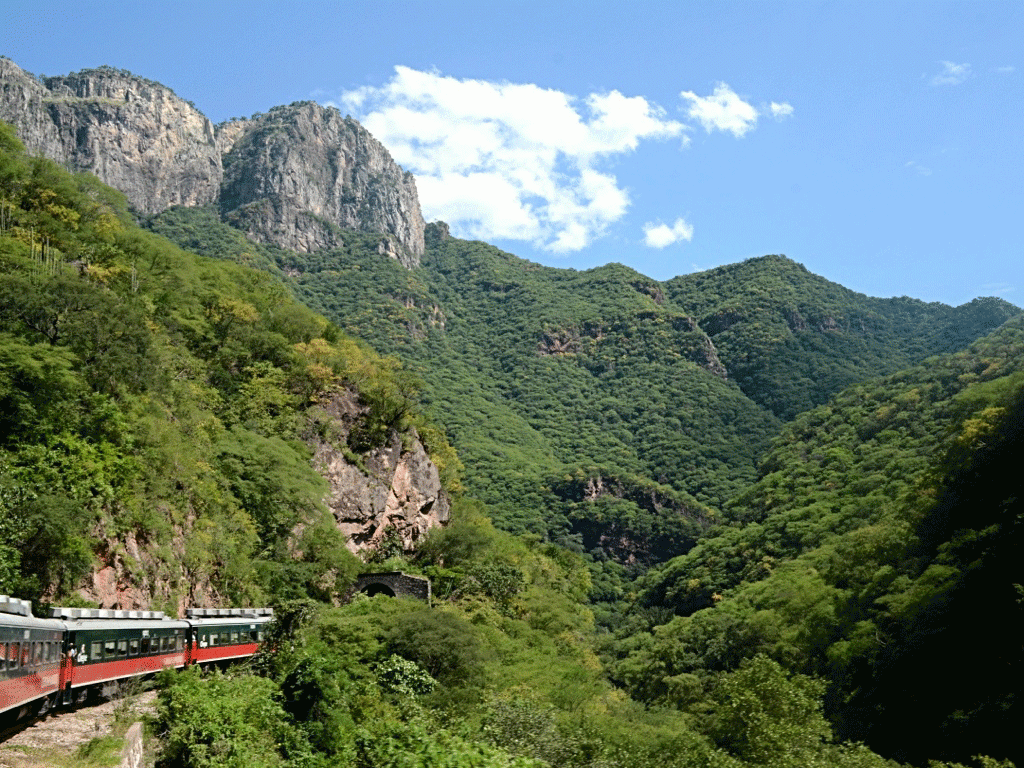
(293,177)
(396,492)
(293,172)
(134,134)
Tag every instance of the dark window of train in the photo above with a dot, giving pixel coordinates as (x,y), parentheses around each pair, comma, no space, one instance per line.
(97,650)
(110,648)
(254,635)
(145,646)
(122,647)
(133,647)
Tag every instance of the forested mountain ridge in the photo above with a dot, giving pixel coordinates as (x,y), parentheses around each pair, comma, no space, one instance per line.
(877,548)
(792,339)
(556,383)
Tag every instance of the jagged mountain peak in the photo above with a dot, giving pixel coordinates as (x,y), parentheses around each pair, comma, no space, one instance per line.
(295,176)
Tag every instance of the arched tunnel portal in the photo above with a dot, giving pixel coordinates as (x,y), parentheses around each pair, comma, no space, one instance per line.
(393,584)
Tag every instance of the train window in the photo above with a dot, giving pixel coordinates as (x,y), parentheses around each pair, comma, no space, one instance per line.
(5,656)
(12,656)
(145,646)
(96,652)
(133,647)
(179,643)
(38,653)
(254,635)
(213,639)
(234,638)
(26,654)
(122,647)
(110,648)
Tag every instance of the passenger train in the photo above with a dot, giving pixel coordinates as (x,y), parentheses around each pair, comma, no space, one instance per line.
(77,651)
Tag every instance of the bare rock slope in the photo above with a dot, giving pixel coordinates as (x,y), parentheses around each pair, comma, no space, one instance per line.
(292,177)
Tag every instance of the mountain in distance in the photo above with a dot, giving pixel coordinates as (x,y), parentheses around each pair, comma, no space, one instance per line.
(603,395)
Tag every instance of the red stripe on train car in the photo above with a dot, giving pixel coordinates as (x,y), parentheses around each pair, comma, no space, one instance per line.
(24,688)
(103,671)
(223,652)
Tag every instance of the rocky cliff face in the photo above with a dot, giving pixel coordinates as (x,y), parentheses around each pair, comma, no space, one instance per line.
(395,493)
(291,177)
(134,134)
(292,173)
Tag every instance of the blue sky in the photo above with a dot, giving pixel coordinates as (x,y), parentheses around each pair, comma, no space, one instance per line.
(879,144)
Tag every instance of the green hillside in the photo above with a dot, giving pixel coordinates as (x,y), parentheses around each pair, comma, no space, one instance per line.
(877,553)
(154,406)
(571,396)
(791,339)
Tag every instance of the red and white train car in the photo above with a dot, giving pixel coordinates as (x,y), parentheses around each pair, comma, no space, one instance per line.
(31,657)
(78,651)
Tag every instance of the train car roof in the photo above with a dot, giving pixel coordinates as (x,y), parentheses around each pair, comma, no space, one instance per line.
(29,622)
(228,621)
(123,624)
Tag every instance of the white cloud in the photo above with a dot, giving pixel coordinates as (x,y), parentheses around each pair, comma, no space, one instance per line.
(661,235)
(952,74)
(917,168)
(723,110)
(1007,70)
(499,160)
(509,160)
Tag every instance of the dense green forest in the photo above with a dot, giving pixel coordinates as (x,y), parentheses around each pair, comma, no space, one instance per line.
(743,518)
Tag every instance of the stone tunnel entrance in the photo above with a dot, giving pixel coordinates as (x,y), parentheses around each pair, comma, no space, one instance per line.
(393,584)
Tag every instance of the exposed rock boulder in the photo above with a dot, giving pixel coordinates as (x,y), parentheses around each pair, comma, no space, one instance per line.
(131,576)
(396,492)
